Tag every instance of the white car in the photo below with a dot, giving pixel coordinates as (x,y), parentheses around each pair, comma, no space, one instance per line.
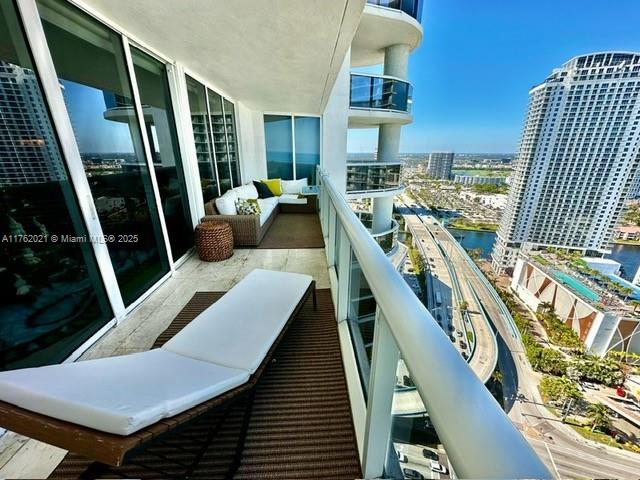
(402,457)
(436,467)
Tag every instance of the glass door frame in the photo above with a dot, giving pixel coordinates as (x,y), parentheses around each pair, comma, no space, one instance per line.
(293,117)
(37,43)
(185,127)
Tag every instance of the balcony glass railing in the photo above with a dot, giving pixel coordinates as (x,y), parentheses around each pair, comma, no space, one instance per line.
(380,93)
(368,177)
(386,321)
(410,7)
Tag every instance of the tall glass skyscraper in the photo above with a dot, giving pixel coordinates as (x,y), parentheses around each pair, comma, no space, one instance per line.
(577,157)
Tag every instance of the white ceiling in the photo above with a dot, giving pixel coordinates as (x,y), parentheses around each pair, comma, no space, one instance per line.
(274,55)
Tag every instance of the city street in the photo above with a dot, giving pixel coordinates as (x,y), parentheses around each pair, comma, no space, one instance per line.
(483,357)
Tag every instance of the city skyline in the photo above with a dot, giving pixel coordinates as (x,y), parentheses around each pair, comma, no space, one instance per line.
(482,110)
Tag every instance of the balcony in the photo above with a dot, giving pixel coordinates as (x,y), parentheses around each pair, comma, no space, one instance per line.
(385,23)
(324,409)
(373,179)
(387,239)
(375,100)
(413,8)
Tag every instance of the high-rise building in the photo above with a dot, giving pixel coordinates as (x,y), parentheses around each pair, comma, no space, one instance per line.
(577,157)
(25,139)
(439,165)
(634,188)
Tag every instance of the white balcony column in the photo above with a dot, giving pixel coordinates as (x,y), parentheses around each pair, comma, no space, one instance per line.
(382,213)
(396,60)
(388,142)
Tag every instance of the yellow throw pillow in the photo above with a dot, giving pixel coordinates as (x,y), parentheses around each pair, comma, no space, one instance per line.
(275,185)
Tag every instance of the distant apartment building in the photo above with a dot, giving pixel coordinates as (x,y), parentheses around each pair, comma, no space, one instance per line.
(25,139)
(577,158)
(439,165)
(634,189)
(477,180)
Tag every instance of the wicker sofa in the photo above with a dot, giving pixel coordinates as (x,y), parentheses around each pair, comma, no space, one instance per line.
(249,230)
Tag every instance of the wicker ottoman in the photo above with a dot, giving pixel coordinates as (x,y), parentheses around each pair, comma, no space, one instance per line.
(214,241)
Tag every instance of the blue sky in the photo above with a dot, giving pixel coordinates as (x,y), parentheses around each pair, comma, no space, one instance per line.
(479,58)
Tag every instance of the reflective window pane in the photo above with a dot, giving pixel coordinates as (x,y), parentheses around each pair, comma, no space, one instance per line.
(151,76)
(307,133)
(200,125)
(89,60)
(232,141)
(219,139)
(52,298)
(279,146)
(361,314)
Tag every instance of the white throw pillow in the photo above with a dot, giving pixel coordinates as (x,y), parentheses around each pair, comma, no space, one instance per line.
(294,187)
(226,204)
(246,191)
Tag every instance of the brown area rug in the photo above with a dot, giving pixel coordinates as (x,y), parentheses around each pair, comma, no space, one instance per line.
(294,230)
(295,424)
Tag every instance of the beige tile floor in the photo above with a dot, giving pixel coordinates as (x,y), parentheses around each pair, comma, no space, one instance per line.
(21,457)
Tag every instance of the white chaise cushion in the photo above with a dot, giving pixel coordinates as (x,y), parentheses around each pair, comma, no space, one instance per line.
(294,187)
(226,204)
(246,191)
(239,329)
(121,394)
(290,199)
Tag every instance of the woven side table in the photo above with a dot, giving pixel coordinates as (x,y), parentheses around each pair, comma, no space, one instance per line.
(214,241)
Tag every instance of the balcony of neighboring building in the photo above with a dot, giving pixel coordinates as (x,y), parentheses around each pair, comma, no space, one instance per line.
(385,23)
(387,239)
(369,179)
(379,99)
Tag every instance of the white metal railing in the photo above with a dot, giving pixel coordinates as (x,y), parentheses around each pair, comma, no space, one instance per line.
(480,440)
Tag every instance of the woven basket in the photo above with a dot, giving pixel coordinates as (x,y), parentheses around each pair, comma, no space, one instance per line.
(214,241)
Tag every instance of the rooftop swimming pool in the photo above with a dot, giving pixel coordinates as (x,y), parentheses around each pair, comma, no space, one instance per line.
(577,286)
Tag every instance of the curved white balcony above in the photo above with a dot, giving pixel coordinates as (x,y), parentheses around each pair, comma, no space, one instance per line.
(379,28)
(389,192)
(368,117)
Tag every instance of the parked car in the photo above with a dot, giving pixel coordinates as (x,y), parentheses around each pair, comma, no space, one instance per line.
(464,355)
(402,457)
(452,338)
(430,454)
(459,333)
(463,344)
(412,474)
(436,467)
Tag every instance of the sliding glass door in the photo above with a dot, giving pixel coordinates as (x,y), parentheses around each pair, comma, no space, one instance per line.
(214,135)
(232,142)
(278,135)
(292,146)
(153,86)
(53,297)
(201,135)
(219,140)
(89,60)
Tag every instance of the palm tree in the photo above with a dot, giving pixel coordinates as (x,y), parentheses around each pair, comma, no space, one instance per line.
(545,307)
(599,415)
(497,376)
(635,304)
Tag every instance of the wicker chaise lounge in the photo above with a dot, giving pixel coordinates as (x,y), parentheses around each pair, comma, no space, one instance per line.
(108,409)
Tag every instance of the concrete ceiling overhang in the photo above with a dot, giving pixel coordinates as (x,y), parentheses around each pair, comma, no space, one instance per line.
(380,28)
(273,55)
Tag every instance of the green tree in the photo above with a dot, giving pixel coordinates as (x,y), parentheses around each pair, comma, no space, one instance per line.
(598,413)
(559,389)
(463,306)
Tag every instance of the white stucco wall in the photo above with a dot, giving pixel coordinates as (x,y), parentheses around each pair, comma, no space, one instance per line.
(335,122)
(253,160)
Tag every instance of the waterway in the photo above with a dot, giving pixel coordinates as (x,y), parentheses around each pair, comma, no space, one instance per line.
(627,255)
